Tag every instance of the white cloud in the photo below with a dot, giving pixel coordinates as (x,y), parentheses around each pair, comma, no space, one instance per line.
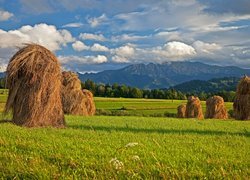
(5,15)
(96,21)
(3,66)
(123,53)
(175,50)
(43,34)
(99,47)
(127,38)
(89,36)
(73,25)
(67,60)
(169,35)
(79,46)
(207,48)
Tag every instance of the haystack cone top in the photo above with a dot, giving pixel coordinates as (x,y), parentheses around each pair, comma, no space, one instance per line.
(34,82)
(71,80)
(243,87)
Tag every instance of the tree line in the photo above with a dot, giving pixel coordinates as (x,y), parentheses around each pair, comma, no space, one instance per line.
(116,90)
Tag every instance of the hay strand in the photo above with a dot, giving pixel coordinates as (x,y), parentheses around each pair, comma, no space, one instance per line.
(181,111)
(194,108)
(241,104)
(215,108)
(34,82)
(90,104)
(74,101)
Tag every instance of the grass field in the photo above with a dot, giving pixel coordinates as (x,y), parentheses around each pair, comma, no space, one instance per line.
(134,107)
(105,147)
(143,107)
(127,147)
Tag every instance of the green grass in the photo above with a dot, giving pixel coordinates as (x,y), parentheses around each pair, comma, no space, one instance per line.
(143,107)
(133,107)
(167,148)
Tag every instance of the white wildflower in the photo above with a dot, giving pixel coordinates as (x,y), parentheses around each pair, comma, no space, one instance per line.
(116,163)
(132,144)
(136,158)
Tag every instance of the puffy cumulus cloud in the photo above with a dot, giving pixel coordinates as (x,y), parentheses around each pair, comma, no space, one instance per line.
(123,54)
(89,36)
(67,60)
(97,21)
(79,46)
(175,50)
(5,15)
(73,25)
(99,47)
(206,48)
(43,34)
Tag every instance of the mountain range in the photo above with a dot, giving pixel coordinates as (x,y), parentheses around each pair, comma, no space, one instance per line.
(154,76)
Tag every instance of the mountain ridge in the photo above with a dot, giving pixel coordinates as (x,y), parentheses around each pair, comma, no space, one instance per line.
(155,76)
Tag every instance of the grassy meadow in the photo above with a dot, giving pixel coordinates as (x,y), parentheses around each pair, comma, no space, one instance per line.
(127,147)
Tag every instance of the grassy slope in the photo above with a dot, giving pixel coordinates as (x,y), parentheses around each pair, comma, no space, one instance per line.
(166,148)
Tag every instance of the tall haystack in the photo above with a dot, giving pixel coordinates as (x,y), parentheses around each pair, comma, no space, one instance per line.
(242,100)
(74,101)
(90,104)
(34,82)
(193,108)
(215,108)
(181,111)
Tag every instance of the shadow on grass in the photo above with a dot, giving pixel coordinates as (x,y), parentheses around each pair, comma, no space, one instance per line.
(5,121)
(162,131)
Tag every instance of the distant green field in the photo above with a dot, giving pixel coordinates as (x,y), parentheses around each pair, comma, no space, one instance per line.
(106,147)
(133,107)
(143,107)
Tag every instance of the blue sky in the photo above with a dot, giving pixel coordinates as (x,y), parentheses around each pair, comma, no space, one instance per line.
(94,35)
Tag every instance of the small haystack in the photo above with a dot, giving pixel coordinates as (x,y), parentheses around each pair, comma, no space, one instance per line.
(90,104)
(34,82)
(74,101)
(215,108)
(242,100)
(181,111)
(193,108)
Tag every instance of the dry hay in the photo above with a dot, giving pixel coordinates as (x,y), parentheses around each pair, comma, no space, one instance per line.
(90,104)
(74,101)
(242,100)
(193,108)
(181,111)
(215,108)
(34,82)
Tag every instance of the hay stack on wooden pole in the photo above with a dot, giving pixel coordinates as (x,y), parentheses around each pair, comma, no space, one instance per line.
(193,108)
(181,111)
(242,100)
(34,82)
(215,108)
(90,104)
(74,101)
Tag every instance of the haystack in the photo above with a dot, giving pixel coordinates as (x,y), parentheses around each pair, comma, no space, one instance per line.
(34,82)
(74,101)
(215,108)
(242,100)
(181,111)
(90,104)
(193,108)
